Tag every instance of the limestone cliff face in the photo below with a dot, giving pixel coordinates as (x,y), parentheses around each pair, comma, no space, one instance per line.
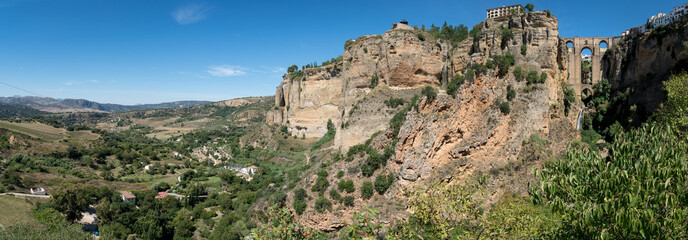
(471,129)
(640,63)
(445,137)
(398,58)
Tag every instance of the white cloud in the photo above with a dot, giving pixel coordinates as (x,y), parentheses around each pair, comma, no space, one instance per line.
(191,13)
(226,71)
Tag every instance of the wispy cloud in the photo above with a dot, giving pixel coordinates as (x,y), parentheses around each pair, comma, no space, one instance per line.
(192,74)
(226,71)
(76,83)
(191,13)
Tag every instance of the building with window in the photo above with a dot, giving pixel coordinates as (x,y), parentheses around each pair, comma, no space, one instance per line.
(659,19)
(504,11)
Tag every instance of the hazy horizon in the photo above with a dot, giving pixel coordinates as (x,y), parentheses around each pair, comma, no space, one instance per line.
(129,52)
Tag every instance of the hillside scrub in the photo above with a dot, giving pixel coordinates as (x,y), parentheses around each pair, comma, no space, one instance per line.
(331,131)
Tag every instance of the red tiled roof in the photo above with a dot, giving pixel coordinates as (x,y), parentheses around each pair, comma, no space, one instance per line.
(127,194)
(161,195)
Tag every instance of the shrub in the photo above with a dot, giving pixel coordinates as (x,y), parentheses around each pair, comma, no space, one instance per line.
(331,131)
(321,183)
(394,102)
(348,201)
(469,76)
(367,190)
(421,37)
(504,62)
(454,85)
(299,207)
(429,92)
(346,186)
(340,174)
(532,77)
(374,81)
(365,50)
(322,204)
(300,194)
(510,93)
(530,7)
(569,98)
(489,64)
(335,195)
(543,77)
(524,49)
(382,183)
(292,68)
(475,31)
(676,107)
(518,73)
(506,35)
(504,107)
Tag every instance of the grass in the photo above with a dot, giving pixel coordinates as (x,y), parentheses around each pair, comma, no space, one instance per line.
(36,130)
(46,132)
(15,210)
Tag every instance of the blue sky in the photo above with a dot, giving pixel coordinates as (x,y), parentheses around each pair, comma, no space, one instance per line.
(133,51)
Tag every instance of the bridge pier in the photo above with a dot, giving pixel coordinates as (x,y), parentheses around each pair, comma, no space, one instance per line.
(575,61)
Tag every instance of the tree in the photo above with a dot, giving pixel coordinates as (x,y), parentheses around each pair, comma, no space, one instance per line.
(382,183)
(676,107)
(347,186)
(532,77)
(524,49)
(367,190)
(454,84)
(374,80)
(518,73)
(71,201)
(322,204)
(184,226)
(292,68)
(635,192)
(510,93)
(148,227)
(429,92)
(530,7)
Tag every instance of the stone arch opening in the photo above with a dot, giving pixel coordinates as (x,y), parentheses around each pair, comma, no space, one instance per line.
(569,45)
(603,44)
(586,65)
(586,95)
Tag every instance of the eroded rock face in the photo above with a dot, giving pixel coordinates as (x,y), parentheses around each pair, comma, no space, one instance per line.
(640,64)
(471,128)
(441,138)
(398,58)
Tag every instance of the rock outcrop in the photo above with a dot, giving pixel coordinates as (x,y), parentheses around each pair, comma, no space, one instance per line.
(639,64)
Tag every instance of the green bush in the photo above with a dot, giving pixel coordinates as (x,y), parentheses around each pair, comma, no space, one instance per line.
(346,186)
(524,49)
(331,131)
(532,77)
(335,195)
(454,85)
(394,102)
(429,92)
(504,108)
(367,190)
(374,81)
(321,183)
(348,201)
(340,174)
(382,183)
(569,98)
(300,194)
(475,31)
(518,73)
(292,68)
(504,62)
(510,93)
(543,77)
(322,204)
(421,37)
(299,207)
(489,64)
(469,76)
(530,7)
(506,35)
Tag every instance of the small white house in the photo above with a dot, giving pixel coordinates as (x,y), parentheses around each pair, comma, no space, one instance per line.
(128,196)
(38,191)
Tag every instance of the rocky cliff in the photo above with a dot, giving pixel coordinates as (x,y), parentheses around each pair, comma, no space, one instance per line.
(442,137)
(639,64)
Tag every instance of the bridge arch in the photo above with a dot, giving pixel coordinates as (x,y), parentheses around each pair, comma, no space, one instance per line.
(574,61)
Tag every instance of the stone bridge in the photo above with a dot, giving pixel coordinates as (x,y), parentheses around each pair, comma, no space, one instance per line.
(576,45)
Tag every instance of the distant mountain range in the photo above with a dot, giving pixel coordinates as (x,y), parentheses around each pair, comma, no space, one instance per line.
(53,105)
